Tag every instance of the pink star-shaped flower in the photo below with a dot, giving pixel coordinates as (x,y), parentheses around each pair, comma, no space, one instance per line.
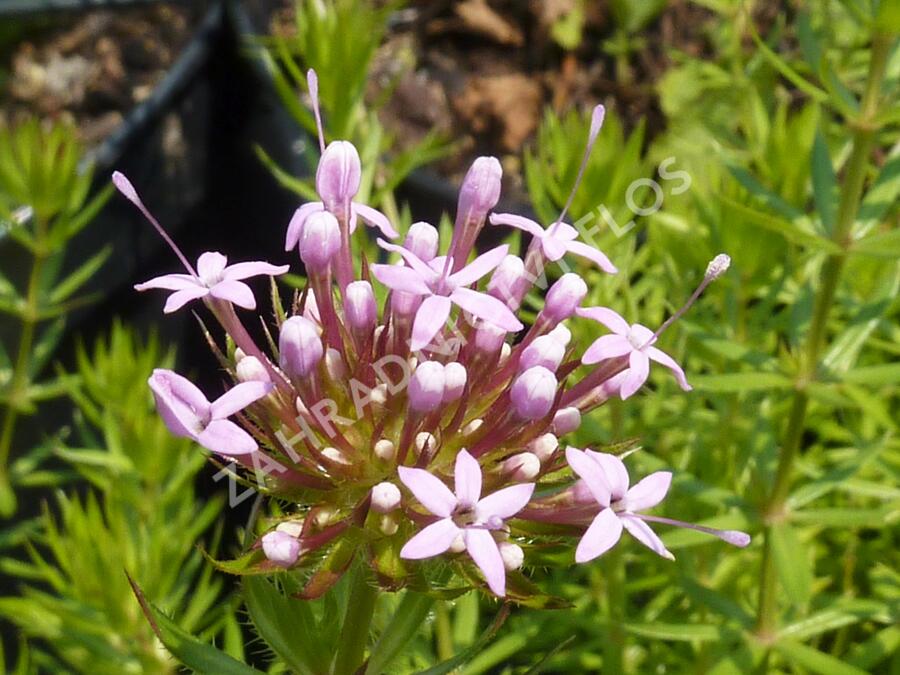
(215,279)
(189,414)
(465,514)
(557,240)
(634,341)
(442,290)
(607,479)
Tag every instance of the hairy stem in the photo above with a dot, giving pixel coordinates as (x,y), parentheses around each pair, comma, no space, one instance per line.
(357,620)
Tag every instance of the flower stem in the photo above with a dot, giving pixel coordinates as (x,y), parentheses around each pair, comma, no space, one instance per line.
(851,196)
(357,620)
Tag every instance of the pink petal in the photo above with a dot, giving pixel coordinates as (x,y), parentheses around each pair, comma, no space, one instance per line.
(591,473)
(211,264)
(519,222)
(649,491)
(170,282)
(562,232)
(244,270)
(504,503)
(226,438)
(602,535)
(468,479)
(596,256)
(295,228)
(482,265)
(179,402)
(664,359)
(642,335)
(482,548)
(615,472)
(431,492)
(638,529)
(421,267)
(234,291)
(606,347)
(553,248)
(238,397)
(400,278)
(431,541)
(179,299)
(486,307)
(376,218)
(638,369)
(607,317)
(430,319)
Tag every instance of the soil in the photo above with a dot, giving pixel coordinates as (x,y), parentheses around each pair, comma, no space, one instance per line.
(92,68)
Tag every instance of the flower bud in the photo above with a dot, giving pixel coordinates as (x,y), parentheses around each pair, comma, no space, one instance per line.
(522,467)
(338,174)
(454,381)
(425,442)
(335,456)
(512,554)
(458,545)
(718,266)
(311,309)
(561,334)
(405,304)
(422,240)
(563,297)
(489,338)
(505,351)
(544,351)
(251,369)
(360,309)
(334,365)
(565,421)
(385,450)
(281,548)
(426,387)
(506,280)
(292,527)
(544,446)
(472,426)
(480,190)
(388,525)
(385,497)
(533,393)
(320,241)
(300,348)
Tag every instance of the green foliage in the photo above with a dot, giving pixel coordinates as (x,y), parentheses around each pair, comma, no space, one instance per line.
(142,516)
(44,202)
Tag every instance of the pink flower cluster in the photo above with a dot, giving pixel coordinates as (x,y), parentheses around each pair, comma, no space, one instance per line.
(363,412)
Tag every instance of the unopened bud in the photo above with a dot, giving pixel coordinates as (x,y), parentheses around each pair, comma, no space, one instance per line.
(251,369)
(324,516)
(422,240)
(334,364)
(489,338)
(506,280)
(472,426)
(300,348)
(291,527)
(523,467)
(458,545)
(480,189)
(454,381)
(335,455)
(385,497)
(281,548)
(388,525)
(425,442)
(426,387)
(378,395)
(360,308)
(563,298)
(533,392)
(565,421)
(385,450)
(544,446)
(405,304)
(338,174)
(718,266)
(320,240)
(561,334)
(512,554)
(544,351)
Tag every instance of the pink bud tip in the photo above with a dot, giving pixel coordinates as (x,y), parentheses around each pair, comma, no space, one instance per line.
(124,186)
(422,241)
(338,175)
(251,369)
(544,351)
(533,393)
(281,548)
(597,117)
(566,420)
(320,240)
(385,497)
(454,381)
(507,279)
(564,297)
(544,446)
(312,81)
(512,554)
(360,308)
(480,190)
(426,387)
(718,266)
(522,467)
(736,538)
(300,348)
(489,338)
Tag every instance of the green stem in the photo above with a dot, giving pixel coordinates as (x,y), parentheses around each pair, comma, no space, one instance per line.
(19,383)
(443,632)
(357,620)
(851,196)
(614,646)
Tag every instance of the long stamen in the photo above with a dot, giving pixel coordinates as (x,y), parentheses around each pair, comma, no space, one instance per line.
(124,186)
(312,81)
(596,123)
(716,268)
(734,537)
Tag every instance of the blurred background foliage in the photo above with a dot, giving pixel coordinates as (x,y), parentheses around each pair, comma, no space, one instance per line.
(779,148)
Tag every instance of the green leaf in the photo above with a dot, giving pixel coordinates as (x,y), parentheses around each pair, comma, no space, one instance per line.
(285,179)
(789,73)
(873,651)
(286,624)
(406,622)
(881,196)
(792,563)
(186,648)
(816,661)
(844,517)
(737,382)
(847,614)
(886,373)
(467,654)
(80,276)
(771,199)
(882,245)
(824,183)
(787,229)
(679,632)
